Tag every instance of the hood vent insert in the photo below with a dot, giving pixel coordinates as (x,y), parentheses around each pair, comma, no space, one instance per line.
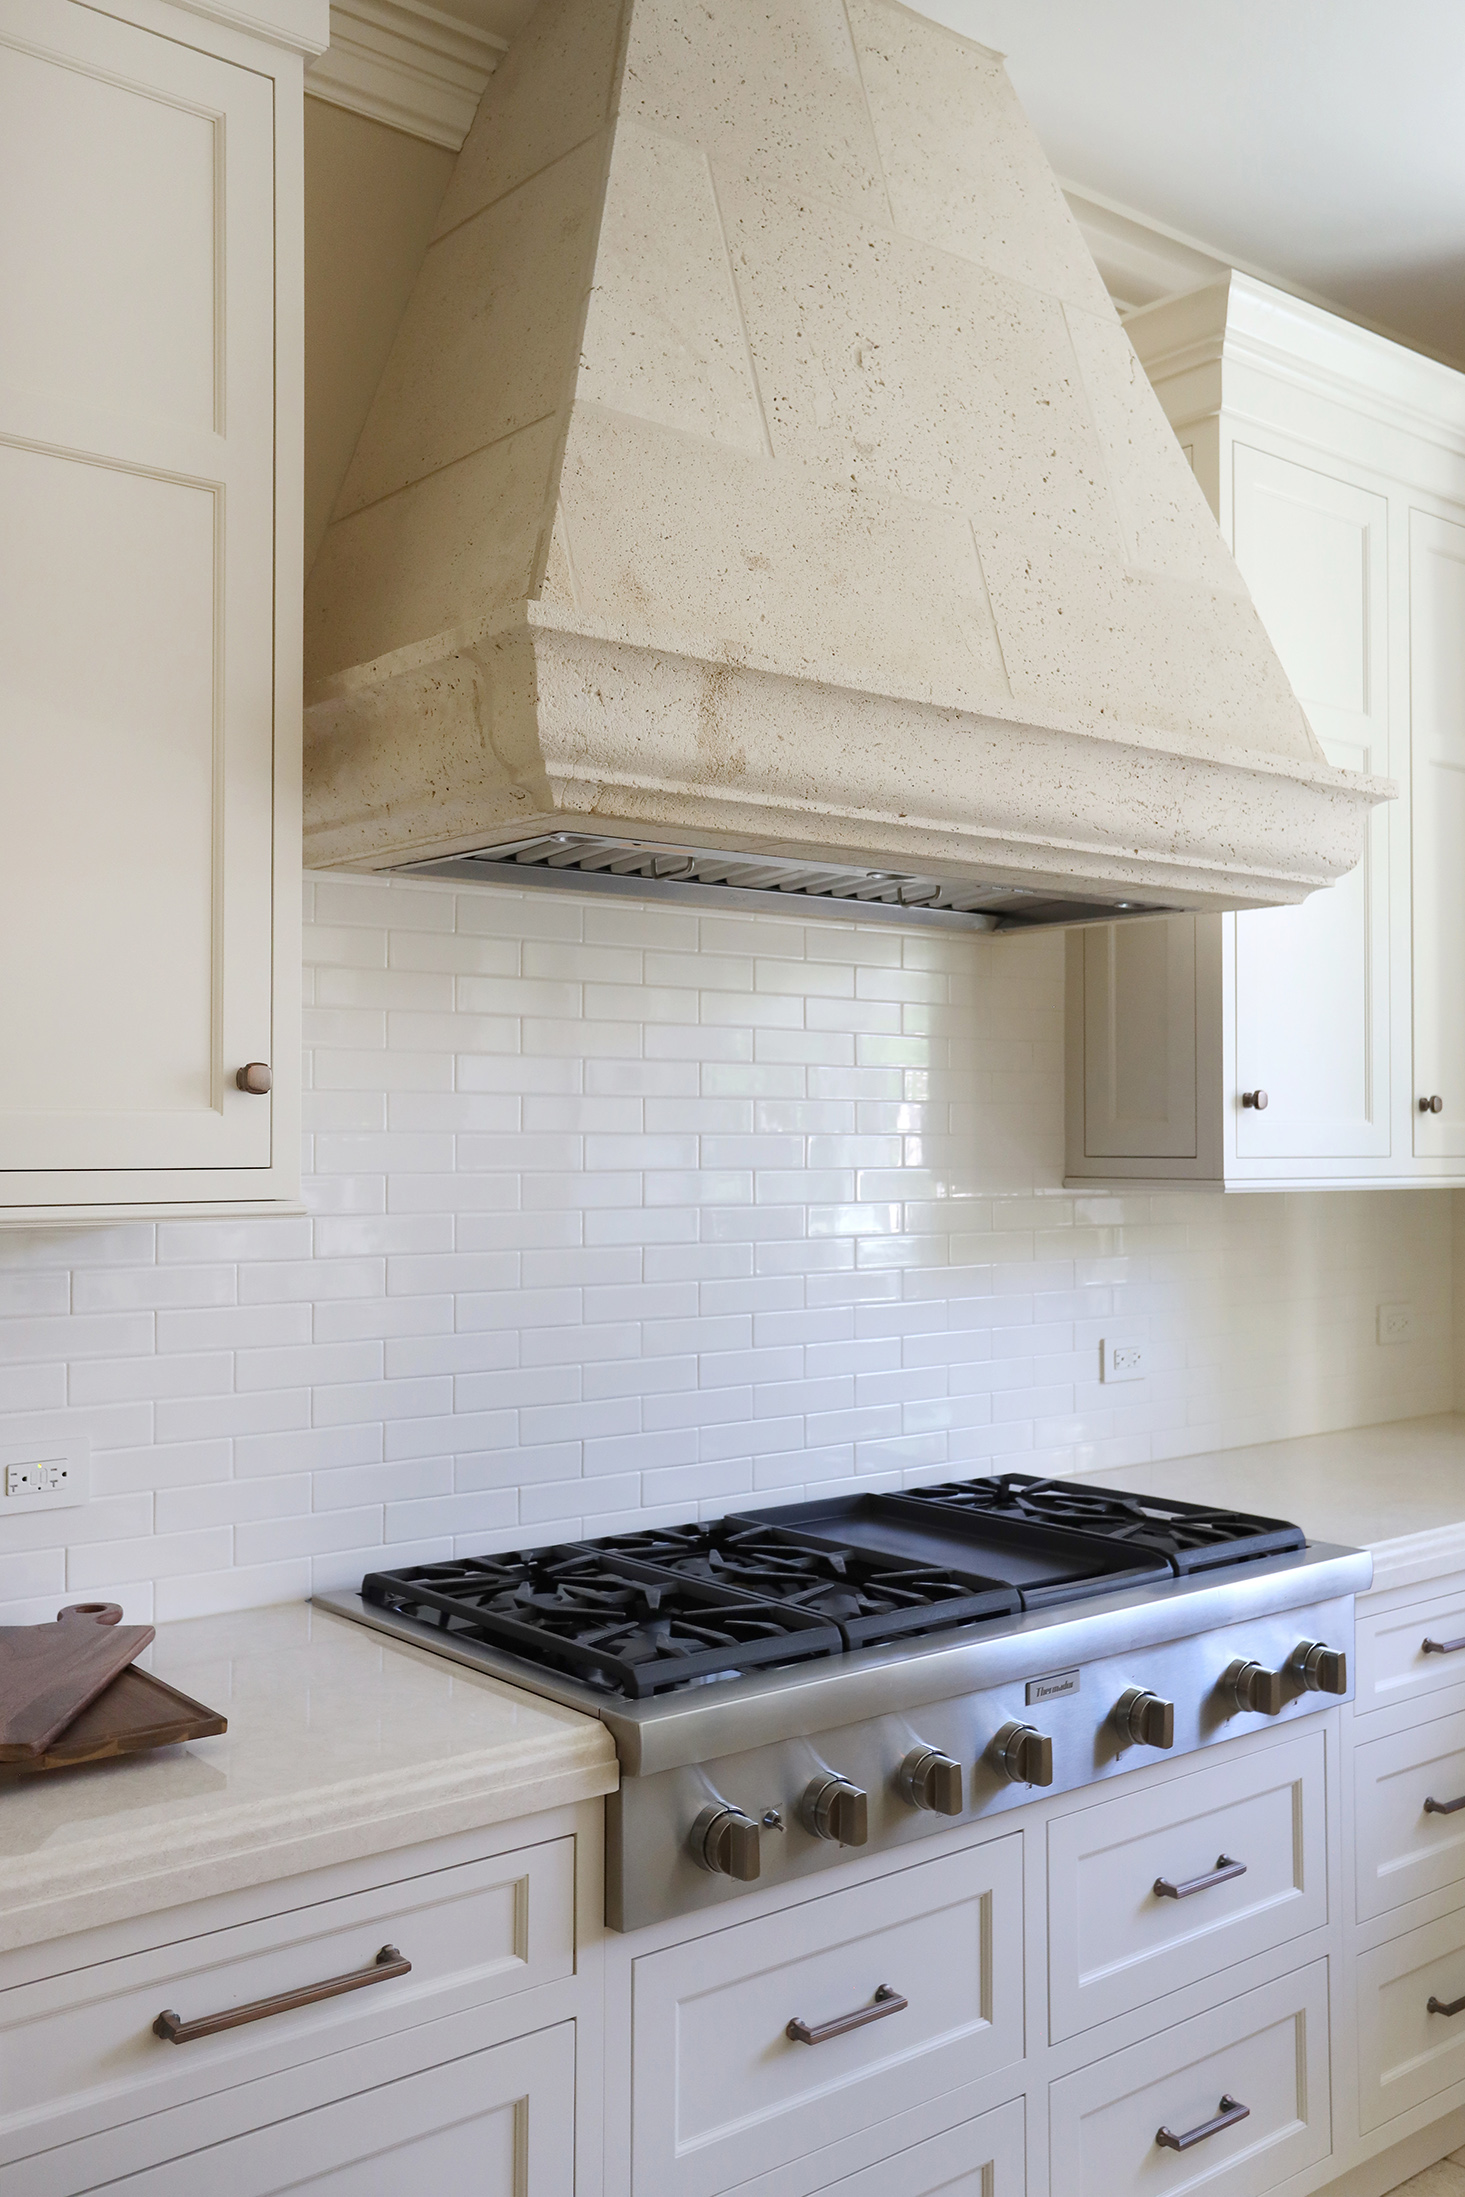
(719,878)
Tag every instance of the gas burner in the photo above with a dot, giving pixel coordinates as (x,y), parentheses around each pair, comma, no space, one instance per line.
(1192,1536)
(623,1626)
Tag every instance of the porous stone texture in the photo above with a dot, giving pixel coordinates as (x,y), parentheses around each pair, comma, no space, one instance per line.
(761,462)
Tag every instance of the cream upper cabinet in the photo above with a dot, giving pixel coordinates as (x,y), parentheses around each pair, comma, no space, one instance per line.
(149,608)
(1319,447)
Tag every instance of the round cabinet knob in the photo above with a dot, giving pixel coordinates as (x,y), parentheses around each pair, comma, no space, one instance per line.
(1253,1687)
(1023,1755)
(835,1809)
(1319,1668)
(725,1842)
(1258,1099)
(930,1779)
(255,1077)
(1149,1721)
(1432,1105)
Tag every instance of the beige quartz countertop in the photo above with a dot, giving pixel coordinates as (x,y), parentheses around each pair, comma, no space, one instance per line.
(341,1744)
(1397,1489)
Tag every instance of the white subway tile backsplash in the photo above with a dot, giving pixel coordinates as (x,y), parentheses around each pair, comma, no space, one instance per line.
(626,1212)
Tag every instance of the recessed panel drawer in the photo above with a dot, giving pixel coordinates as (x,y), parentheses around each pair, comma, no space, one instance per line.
(1407,2051)
(1395,1666)
(1404,1847)
(723,2090)
(472,1933)
(1267,2051)
(1243,1844)
(982,2158)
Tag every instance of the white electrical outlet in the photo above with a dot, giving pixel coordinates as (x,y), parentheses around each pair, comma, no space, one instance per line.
(1122,1361)
(45,1475)
(1396,1323)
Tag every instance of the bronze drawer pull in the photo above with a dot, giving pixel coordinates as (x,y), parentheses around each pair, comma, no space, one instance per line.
(1442,1647)
(1444,1807)
(884,2002)
(1223,1872)
(1439,2006)
(1227,2115)
(388,1963)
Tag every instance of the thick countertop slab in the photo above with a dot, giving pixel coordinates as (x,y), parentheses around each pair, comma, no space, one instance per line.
(1397,1490)
(341,1744)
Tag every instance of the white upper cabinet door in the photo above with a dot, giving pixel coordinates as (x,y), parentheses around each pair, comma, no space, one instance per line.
(1437,751)
(1311,997)
(136,598)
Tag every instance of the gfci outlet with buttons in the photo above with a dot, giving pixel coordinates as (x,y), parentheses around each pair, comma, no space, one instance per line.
(45,1475)
(1122,1361)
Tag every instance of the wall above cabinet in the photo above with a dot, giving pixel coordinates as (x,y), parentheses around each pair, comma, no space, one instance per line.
(1295,1047)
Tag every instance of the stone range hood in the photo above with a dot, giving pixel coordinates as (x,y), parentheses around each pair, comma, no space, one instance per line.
(761,467)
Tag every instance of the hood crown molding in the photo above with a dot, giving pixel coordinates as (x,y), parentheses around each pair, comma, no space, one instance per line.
(761,460)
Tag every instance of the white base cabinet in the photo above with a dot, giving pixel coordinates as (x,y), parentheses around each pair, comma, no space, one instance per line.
(1335,465)
(150,584)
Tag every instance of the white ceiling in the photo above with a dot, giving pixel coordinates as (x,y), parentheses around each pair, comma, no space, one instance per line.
(1318,141)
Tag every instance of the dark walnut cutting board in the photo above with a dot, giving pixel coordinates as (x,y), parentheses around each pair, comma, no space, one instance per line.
(50,1673)
(136,1712)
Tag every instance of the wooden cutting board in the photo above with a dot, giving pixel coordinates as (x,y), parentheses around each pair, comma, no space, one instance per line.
(49,1673)
(137,1711)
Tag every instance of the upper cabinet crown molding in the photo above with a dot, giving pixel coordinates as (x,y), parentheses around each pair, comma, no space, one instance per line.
(299,26)
(408,65)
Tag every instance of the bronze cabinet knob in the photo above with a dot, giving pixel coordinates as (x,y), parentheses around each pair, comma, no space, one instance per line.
(255,1077)
(1432,1105)
(1258,1099)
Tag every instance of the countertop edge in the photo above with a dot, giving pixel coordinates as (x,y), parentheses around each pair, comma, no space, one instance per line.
(1414,1558)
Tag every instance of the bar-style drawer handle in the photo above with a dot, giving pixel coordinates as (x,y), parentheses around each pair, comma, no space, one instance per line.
(1223,1872)
(1444,1807)
(388,1963)
(1229,2112)
(884,2002)
(1443,2006)
(1442,1647)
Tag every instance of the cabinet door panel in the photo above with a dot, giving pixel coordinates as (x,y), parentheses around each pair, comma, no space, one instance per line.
(1139,1040)
(1437,749)
(136,598)
(1311,1000)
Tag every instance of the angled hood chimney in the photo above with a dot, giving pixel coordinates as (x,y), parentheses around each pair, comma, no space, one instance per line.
(762,485)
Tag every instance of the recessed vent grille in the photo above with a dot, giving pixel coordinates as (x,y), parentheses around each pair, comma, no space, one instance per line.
(713,875)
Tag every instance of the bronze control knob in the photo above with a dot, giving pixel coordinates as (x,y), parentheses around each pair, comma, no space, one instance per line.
(1319,1668)
(1023,1755)
(725,1842)
(1149,1721)
(1252,1687)
(255,1078)
(929,1779)
(834,1809)
(1258,1099)
(1432,1105)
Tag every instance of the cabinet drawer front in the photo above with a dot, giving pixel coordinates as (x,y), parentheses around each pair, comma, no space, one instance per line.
(494,2123)
(1394,1666)
(982,2158)
(472,1933)
(1114,1942)
(1267,2051)
(1403,1848)
(1406,2053)
(722,2092)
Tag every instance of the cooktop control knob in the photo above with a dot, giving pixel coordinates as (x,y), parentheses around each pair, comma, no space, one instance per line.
(1322,1670)
(725,1842)
(1149,1721)
(930,1779)
(1253,1687)
(1023,1755)
(835,1809)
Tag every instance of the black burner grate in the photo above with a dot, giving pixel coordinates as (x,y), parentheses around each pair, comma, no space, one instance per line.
(1193,1536)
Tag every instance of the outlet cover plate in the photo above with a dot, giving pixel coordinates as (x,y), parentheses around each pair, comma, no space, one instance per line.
(1396,1323)
(45,1475)
(1122,1361)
